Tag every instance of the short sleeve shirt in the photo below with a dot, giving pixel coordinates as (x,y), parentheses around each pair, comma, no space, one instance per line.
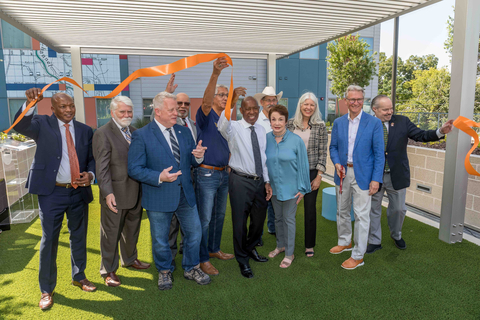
(217,152)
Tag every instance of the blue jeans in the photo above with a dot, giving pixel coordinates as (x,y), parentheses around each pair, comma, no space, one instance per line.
(211,190)
(159,228)
(270,217)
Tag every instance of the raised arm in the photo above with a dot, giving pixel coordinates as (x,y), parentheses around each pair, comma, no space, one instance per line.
(207,102)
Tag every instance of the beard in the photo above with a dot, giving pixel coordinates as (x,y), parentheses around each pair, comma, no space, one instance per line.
(125,122)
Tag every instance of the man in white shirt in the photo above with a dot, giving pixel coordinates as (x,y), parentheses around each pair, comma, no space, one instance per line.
(248,181)
(267,99)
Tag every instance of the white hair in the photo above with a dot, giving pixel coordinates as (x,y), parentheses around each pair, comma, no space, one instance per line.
(220,86)
(160,98)
(316,117)
(354,87)
(117,99)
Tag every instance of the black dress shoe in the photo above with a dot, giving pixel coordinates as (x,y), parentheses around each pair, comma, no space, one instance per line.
(400,244)
(255,256)
(260,243)
(371,248)
(245,270)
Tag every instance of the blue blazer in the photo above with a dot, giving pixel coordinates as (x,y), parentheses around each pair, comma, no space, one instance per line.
(149,154)
(368,150)
(46,133)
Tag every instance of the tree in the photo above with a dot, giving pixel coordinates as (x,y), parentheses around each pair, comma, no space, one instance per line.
(448,44)
(349,62)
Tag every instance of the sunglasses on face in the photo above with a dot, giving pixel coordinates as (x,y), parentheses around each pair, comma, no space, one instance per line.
(179,103)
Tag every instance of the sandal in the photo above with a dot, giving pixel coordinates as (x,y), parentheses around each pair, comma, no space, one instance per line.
(286,262)
(276,252)
(309,253)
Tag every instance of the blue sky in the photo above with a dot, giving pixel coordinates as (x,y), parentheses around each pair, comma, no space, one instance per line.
(422,32)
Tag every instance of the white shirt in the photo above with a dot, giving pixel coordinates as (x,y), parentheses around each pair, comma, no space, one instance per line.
(239,137)
(264,122)
(63,174)
(352,134)
(166,134)
(189,126)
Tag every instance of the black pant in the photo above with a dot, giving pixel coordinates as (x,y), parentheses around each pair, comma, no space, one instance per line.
(247,198)
(310,208)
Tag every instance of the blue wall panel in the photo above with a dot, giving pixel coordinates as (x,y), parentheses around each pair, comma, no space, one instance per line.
(26,86)
(124,74)
(308,77)
(287,77)
(322,86)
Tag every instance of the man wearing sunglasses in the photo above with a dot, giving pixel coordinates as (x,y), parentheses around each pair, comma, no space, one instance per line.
(183,103)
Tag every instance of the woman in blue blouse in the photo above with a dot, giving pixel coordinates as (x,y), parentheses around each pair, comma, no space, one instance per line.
(287,164)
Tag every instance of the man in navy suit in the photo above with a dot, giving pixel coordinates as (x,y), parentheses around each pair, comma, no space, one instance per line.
(356,151)
(61,174)
(396,177)
(160,157)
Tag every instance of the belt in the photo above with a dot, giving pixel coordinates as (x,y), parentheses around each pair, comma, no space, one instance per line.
(386,171)
(63,185)
(350,165)
(241,174)
(211,167)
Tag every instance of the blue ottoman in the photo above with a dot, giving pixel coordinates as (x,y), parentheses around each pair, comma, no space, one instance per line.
(329,205)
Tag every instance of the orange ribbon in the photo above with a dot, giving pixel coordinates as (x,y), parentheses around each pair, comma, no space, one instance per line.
(466,125)
(157,71)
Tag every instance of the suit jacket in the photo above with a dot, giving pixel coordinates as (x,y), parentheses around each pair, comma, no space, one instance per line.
(368,151)
(149,154)
(46,133)
(191,125)
(400,128)
(110,150)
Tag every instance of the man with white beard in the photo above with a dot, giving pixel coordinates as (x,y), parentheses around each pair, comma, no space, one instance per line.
(120,200)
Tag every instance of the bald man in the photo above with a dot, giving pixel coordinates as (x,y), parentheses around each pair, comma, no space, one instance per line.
(61,174)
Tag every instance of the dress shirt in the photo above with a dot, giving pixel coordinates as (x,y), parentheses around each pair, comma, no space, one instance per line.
(288,166)
(166,134)
(189,126)
(63,174)
(239,137)
(264,122)
(352,134)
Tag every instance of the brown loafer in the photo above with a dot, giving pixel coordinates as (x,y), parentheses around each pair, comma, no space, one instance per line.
(112,280)
(340,249)
(351,263)
(208,268)
(85,285)
(222,255)
(137,264)
(46,302)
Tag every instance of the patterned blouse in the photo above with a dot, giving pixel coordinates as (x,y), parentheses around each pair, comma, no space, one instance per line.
(317,145)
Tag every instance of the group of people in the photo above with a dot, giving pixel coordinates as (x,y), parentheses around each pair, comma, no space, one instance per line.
(181,173)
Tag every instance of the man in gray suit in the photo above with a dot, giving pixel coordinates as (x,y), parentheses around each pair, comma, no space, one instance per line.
(183,103)
(120,195)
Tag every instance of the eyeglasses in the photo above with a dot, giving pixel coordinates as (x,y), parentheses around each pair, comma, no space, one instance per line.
(187,104)
(274,100)
(355,100)
(222,95)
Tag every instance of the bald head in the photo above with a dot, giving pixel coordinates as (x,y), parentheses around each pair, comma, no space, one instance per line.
(63,107)
(183,103)
(382,107)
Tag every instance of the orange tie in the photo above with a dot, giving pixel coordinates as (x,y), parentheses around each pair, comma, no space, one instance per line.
(72,157)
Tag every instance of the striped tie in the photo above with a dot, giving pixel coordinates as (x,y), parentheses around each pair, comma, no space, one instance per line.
(385,139)
(128,135)
(175,147)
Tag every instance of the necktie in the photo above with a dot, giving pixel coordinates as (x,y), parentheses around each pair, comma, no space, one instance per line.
(385,139)
(175,147)
(186,122)
(72,157)
(256,153)
(128,135)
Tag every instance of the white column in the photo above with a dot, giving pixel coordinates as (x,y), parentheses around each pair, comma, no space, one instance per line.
(77,76)
(462,93)
(271,70)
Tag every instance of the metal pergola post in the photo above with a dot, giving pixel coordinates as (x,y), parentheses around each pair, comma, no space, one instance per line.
(76,53)
(394,62)
(462,94)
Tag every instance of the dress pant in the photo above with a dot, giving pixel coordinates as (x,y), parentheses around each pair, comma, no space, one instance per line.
(285,223)
(247,199)
(361,208)
(123,227)
(395,212)
(52,210)
(310,208)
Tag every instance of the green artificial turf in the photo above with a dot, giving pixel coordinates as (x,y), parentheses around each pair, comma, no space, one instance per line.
(429,280)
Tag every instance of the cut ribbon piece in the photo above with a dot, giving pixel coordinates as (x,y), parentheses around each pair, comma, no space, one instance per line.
(156,71)
(466,125)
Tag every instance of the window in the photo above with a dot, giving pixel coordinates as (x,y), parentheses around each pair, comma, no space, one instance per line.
(332,106)
(239,114)
(311,53)
(14,105)
(369,41)
(103,111)
(284,102)
(367,105)
(147,108)
(14,38)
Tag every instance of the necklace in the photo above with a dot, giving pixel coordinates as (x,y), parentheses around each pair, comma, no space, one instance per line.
(281,135)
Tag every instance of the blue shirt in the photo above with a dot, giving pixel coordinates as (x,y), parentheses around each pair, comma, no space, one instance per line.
(217,152)
(287,164)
